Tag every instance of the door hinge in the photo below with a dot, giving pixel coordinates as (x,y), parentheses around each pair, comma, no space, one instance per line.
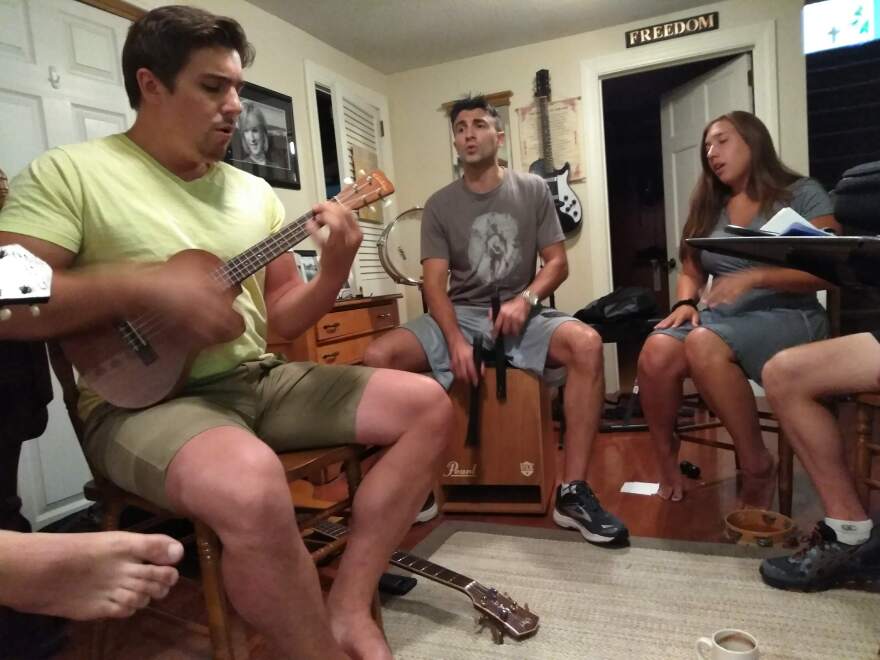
(381,128)
(751,78)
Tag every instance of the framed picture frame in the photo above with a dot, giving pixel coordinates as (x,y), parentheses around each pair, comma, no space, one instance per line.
(264,142)
(306,264)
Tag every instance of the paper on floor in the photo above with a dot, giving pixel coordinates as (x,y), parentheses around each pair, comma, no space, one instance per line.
(640,488)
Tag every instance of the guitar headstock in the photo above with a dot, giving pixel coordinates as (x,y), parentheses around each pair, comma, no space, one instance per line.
(542,83)
(365,190)
(24,279)
(503,614)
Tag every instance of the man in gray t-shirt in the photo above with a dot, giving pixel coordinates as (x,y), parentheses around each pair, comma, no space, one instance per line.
(483,235)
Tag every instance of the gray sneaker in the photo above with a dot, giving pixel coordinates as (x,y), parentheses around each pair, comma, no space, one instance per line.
(825,563)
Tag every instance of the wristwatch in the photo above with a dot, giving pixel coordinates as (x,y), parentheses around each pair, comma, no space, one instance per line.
(532,298)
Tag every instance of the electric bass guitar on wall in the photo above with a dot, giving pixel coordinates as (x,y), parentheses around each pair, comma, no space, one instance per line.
(568,206)
(500,612)
(135,363)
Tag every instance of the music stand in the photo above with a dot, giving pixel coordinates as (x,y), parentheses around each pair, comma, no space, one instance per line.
(852,261)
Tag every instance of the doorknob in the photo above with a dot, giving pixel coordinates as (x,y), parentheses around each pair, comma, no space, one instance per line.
(54,77)
(671,264)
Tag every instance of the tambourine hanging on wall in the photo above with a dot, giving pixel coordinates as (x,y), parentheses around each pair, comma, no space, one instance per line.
(399,248)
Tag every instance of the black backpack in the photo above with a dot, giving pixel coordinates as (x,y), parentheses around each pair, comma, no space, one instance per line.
(857,197)
(623,304)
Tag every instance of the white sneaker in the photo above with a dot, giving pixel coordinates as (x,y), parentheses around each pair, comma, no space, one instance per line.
(429,510)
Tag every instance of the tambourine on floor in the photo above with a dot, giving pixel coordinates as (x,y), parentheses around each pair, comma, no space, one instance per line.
(760,527)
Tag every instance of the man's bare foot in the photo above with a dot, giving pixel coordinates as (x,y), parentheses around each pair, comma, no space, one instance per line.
(671,483)
(358,635)
(757,490)
(86,576)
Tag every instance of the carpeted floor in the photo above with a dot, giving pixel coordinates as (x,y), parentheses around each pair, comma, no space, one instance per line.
(649,601)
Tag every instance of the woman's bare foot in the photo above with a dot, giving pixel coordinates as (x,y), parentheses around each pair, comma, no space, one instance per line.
(757,490)
(86,576)
(674,492)
(358,634)
(671,483)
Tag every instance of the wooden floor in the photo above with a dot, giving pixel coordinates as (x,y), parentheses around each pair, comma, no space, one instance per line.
(617,458)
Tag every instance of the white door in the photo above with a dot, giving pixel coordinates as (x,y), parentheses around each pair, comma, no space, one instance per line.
(684,113)
(60,82)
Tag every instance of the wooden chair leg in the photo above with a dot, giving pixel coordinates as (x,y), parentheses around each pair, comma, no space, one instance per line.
(786,474)
(864,430)
(110,516)
(208,546)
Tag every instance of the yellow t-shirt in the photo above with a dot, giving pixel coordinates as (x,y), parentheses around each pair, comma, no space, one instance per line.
(107,200)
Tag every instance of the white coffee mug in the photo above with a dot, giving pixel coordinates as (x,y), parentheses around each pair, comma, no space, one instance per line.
(728,644)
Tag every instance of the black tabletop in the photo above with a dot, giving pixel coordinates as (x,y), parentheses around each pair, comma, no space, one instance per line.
(844,260)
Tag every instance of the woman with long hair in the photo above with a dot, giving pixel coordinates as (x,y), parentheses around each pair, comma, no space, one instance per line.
(752,311)
(254,134)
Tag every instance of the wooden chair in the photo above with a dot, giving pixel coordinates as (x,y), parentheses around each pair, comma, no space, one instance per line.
(769,423)
(227,640)
(866,447)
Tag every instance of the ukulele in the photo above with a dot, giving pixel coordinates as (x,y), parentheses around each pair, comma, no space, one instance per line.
(568,206)
(135,363)
(500,612)
(24,280)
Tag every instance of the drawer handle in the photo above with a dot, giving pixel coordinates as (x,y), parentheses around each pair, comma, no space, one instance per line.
(330,327)
(330,357)
(386,315)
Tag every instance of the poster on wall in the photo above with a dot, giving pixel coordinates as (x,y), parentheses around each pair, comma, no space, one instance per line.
(566,135)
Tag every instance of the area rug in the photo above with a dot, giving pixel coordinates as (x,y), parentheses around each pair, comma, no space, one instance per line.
(650,600)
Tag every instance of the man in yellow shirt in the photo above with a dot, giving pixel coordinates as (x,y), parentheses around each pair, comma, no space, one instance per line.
(117,209)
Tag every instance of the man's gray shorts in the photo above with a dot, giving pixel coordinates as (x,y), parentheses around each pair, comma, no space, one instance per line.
(528,351)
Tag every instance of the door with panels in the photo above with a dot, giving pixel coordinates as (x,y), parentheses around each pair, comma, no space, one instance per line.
(60,83)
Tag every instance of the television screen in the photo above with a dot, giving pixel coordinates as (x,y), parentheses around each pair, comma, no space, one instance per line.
(837,23)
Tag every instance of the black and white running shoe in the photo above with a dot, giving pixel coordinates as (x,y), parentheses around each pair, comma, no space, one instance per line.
(577,507)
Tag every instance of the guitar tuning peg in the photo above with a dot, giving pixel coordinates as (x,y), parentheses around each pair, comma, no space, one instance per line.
(362,173)
(5,314)
(35,311)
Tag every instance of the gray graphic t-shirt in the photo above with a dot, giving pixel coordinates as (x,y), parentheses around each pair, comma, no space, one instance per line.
(810,200)
(490,239)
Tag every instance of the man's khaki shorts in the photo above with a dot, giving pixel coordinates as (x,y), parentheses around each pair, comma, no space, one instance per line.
(290,406)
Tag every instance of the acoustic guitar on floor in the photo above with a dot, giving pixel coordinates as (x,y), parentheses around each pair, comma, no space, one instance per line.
(135,363)
(500,612)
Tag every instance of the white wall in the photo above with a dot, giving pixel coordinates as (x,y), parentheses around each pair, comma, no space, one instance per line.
(420,130)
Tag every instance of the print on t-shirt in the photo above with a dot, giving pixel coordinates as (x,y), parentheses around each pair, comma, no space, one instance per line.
(493,249)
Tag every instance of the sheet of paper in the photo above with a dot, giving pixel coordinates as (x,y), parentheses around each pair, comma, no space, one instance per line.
(783,220)
(640,488)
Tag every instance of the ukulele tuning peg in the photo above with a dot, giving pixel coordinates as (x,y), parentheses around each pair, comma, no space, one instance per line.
(5,314)
(35,311)
(348,180)
(372,209)
(386,202)
(362,173)
(526,607)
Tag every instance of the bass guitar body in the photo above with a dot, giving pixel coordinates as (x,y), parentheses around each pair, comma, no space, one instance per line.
(568,206)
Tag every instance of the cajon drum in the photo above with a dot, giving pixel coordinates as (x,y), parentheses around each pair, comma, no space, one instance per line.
(512,467)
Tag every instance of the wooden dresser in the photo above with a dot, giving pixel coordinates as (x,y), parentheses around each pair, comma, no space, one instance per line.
(342,335)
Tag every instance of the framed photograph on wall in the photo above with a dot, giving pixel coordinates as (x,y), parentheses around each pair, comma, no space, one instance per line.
(264,143)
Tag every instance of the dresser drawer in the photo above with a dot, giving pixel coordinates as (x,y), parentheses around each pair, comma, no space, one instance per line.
(353,322)
(347,351)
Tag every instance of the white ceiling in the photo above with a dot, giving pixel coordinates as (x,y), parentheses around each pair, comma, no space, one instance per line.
(397,35)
